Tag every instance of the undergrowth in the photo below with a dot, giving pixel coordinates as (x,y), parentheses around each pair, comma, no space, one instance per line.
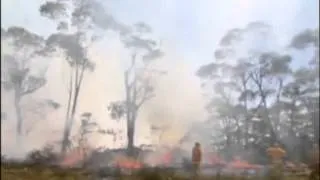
(40,165)
(40,172)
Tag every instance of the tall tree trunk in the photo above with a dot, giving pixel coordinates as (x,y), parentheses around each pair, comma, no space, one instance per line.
(258,78)
(70,120)
(65,139)
(131,104)
(19,133)
(130,136)
(266,114)
(74,107)
(17,98)
(129,120)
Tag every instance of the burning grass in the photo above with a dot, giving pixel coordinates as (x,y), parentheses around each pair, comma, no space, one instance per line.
(16,171)
(38,166)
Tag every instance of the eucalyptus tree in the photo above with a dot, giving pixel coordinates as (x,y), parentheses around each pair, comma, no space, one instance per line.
(243,81)
(21,70)
(138,77)
(80,23)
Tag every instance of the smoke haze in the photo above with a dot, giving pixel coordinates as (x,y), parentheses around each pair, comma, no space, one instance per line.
(190,30)
(176,104)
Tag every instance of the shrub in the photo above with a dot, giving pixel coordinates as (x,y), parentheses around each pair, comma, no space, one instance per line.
(45,156)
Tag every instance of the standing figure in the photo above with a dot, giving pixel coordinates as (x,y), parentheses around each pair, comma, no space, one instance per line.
(276,154)
(196,159)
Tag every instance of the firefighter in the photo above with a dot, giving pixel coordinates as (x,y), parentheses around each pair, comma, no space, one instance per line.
(276,154)
(196,159)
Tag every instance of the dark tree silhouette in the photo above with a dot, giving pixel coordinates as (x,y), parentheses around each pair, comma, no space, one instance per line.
(137,77)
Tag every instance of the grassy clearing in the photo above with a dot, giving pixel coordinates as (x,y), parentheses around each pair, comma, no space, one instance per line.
(17,172)
(36,172)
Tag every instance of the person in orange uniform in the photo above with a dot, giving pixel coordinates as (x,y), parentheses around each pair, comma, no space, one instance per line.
(276,154)
(196,159)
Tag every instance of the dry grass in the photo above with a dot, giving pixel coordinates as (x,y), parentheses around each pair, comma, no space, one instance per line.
(36,172)
(33,172)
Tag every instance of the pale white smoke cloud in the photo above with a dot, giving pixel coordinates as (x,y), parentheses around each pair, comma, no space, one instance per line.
(178,99)
(190,31)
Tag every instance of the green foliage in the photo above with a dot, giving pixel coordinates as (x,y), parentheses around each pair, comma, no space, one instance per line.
(17,69)
(259,99)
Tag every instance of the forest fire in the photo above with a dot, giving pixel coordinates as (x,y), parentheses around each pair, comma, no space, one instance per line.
(215,160)
(131,163)
(164,159)
(127,163)
(240,164)
(74,157)
(77,156)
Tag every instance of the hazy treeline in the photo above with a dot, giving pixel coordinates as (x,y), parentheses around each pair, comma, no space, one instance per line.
(261,94)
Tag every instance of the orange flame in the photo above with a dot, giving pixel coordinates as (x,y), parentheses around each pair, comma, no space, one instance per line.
(240,164)
(74,157)
(128,163)
(214,159)
(166,159)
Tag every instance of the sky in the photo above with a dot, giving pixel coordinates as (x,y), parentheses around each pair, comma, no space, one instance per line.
(190,30)
(194,27)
